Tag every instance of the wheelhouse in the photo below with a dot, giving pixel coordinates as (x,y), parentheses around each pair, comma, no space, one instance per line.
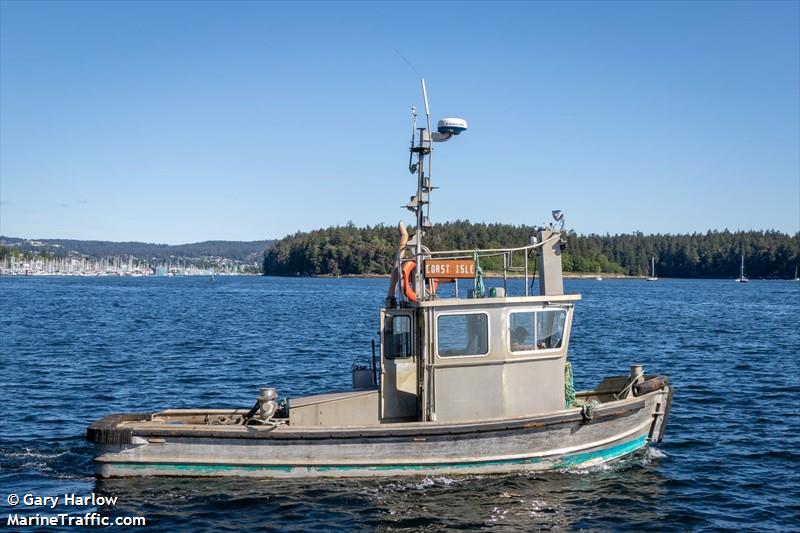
(458,360)
(488,356)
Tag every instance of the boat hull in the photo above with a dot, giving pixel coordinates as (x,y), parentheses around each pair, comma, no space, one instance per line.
(568,439)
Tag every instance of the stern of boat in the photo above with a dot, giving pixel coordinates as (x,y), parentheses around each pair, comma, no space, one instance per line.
(655,389)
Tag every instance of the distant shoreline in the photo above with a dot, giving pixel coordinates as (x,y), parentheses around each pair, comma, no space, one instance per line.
(590,277)
(496,275)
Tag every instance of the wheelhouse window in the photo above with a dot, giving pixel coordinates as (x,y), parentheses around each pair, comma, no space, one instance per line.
(397,336)
(464,334)
(536,330)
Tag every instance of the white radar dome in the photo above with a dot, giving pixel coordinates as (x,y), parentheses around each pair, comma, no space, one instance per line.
(453,126)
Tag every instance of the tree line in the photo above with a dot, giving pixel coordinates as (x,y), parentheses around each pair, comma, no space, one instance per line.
(351,250)
(244,251)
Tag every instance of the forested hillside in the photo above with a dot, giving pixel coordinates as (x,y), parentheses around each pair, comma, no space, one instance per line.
(244,251)
(714,254)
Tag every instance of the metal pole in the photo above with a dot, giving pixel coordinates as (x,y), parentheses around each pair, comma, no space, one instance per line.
(420,289)
(525,255)
(508,262)
(374,366)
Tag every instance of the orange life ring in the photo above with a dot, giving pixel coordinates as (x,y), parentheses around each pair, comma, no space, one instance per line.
(408,284)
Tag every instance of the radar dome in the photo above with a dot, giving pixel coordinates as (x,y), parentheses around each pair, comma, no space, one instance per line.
(453,126)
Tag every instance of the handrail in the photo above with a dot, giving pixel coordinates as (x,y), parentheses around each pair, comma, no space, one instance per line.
(493,251)
(507,254)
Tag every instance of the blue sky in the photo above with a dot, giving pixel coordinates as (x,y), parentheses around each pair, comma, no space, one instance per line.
(180,122)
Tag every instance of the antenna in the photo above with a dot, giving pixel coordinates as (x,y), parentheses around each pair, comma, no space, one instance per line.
(425,97)
(427,183)
(411,166)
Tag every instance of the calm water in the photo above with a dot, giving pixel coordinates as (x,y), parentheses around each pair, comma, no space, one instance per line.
(76,349)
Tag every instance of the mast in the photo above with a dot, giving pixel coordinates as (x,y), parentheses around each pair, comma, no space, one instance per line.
(447,128)
(421,151)
(423,189)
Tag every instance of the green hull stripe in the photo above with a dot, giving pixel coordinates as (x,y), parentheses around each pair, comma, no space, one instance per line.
(566,461)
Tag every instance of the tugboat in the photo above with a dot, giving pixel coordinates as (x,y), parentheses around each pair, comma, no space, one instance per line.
(473,382)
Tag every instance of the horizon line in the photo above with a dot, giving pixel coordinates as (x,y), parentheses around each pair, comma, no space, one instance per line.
(566,230)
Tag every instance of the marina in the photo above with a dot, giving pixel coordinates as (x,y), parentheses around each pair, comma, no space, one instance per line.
(110,266)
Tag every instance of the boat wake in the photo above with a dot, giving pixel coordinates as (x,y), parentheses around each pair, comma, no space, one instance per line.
(426,483)
(59,461)
(643,457)
(655,453)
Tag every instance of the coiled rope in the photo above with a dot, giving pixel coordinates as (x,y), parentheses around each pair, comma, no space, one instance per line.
(569,386)
(480,288)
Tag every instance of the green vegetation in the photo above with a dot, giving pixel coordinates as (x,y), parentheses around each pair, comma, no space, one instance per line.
(349,250)
(333,251)
(6,252)
(243,251)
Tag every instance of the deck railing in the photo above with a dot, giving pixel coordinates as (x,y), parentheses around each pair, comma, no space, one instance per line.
(506,253)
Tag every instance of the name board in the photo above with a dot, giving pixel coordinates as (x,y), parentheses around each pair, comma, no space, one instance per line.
(449,268)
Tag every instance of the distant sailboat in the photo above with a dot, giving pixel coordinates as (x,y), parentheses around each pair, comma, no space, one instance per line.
(653,276)
(599,277)
(742,278)
(795,275)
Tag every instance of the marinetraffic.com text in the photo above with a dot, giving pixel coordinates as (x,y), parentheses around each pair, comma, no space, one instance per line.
(85,514)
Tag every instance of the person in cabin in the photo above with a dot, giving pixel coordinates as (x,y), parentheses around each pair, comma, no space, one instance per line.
(518,336)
